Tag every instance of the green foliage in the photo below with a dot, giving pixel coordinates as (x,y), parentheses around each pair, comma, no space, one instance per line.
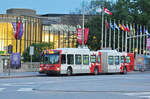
(38,48)
(130,11)
(95,29)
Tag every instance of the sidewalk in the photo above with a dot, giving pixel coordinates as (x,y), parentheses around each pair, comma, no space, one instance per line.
(18,74)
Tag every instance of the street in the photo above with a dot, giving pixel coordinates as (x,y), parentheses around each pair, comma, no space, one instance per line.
(131,86)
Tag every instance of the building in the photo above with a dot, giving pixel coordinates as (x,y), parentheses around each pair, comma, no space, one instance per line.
(59,29)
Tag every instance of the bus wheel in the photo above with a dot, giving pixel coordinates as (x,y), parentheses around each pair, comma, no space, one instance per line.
(96,71)
(124,70)
(69,71)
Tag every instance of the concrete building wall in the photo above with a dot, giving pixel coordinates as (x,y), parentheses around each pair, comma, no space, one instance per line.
(17,11)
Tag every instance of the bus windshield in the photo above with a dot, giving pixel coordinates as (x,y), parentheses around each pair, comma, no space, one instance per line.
(51,59)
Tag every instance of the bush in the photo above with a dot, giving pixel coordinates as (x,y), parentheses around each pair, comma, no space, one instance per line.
(38,48)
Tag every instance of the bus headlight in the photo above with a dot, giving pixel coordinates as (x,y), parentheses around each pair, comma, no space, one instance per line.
(58,69)
(40,69)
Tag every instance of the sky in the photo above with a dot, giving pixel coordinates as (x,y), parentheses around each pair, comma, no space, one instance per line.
(42,6)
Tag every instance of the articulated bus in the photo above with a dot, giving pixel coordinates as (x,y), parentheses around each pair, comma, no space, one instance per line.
(81,60)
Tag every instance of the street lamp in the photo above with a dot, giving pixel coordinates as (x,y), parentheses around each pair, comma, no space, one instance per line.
(83,13)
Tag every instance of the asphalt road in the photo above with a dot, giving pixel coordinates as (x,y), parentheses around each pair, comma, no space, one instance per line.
(130,86)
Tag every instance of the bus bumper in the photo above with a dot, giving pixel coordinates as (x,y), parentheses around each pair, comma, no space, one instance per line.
(49,72)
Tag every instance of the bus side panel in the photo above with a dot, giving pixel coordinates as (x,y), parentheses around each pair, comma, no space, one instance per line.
(104,63)
(63,68)
(130,66)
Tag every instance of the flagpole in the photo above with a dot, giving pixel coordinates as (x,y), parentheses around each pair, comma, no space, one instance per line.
(133,38)
(144,42)
(16,33)
(137,39)
(105,32)
(110,34)
(114,38)
(140,39)
(125,41)
(83,24)
(118,36)
(146,39)
(102,28)
(122,37)
(130,40)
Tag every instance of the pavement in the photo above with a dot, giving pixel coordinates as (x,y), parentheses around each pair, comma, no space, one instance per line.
(35,74)
(18,74)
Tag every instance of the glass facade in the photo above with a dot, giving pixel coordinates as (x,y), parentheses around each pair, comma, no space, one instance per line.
(34,31)
(62,36)
(31,32)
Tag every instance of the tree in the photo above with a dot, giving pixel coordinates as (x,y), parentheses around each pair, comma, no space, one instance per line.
(94,34)
(38,48)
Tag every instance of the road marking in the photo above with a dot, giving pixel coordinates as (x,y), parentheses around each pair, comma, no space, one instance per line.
(1,89)
(25,89)
(147,97)
(138,93)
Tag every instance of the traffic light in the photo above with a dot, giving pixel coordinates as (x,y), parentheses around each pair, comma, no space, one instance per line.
(10,48)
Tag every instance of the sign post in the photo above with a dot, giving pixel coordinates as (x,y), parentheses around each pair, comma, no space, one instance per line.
(31,53)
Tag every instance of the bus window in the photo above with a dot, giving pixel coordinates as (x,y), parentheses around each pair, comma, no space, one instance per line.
(122,59)
(98,59)
(86,59)
(63,59)
(93,58)
(128,59)
(110,60)
(46,59)
(78,59)
(70,59)
(116,60)
(53,58)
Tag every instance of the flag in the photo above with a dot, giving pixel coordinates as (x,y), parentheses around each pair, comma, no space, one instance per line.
(86,32)
(127,29)
(79,37)
(145,31)
(134,30)
(107,25)
(115,25)
(19,30)
(131,29)
(111,25)
(14,27)
(121,26)
(107,11)
(141,29)
(124,28)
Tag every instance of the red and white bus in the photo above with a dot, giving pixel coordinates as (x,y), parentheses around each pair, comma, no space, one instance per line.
(112,61)
(127,60)
(81,60)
